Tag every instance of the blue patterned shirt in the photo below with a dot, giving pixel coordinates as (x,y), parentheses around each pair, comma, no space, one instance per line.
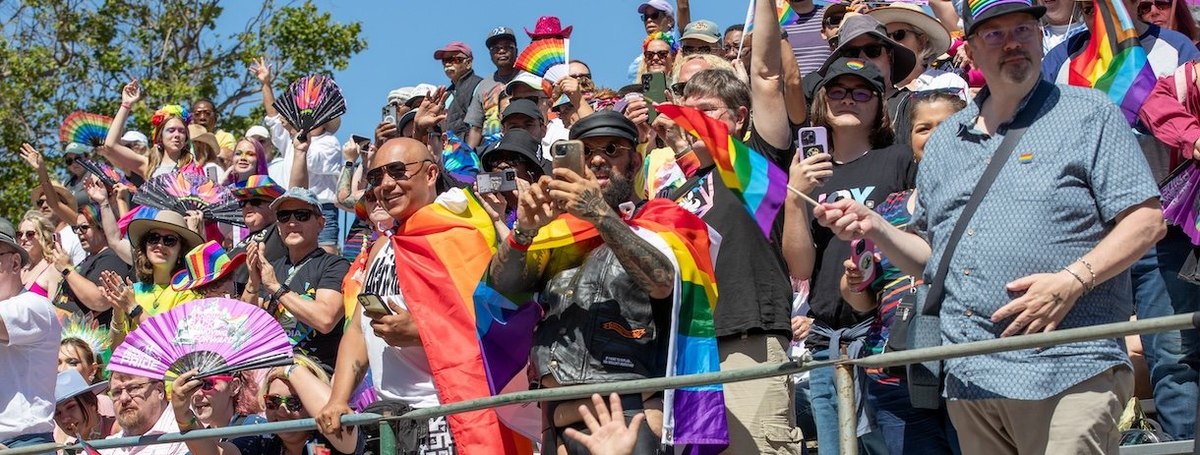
(1074,171)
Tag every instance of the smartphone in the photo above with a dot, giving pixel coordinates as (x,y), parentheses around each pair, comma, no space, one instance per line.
(496,182)
(862,253)
(389,115)
(812,141)
(568,155)
(362,142)
(654,88)
(371,303)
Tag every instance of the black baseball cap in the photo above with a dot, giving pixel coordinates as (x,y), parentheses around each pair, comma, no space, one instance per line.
(524,107)
(975,12)
(499,33)
(605,124)
(854,26)
(864,69)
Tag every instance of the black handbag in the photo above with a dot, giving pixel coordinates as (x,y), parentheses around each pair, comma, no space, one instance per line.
(924,328)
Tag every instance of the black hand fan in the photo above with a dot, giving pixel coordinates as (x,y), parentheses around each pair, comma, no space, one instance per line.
(310,102)
(181,191)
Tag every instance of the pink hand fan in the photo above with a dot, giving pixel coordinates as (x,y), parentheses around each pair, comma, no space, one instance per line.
(214,336)
(1181,199)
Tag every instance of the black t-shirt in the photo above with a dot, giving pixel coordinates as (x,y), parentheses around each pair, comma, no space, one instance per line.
(868,179)
(269,236)
(752,278)
(318,270)
(90,268)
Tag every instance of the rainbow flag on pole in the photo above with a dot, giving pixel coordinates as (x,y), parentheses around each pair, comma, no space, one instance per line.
(787,15)
(759,183)
(1114,61)
(541,55)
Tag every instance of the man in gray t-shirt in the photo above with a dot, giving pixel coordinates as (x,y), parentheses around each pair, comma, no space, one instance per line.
(483,116)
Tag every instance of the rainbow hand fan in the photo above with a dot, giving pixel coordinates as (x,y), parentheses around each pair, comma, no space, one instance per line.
(181,191)
(106,173)
(542,54)
(214,336)
(85,128)
(310,102)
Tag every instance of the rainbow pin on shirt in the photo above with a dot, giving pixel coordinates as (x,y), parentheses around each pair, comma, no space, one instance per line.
(1025,158)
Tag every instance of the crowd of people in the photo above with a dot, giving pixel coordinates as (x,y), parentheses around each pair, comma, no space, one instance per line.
(904,131)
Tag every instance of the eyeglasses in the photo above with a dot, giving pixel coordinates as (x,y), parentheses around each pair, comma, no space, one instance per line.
(289,402)
(656,55)
(302,215)
(454,60)
(81,229)
(689,50)
(398,171)
(859,95)
(678,87)
(134,390)
(27,235)
(611,150)
(210,383)
(587,76)
(1024,33)
(899,35)
(869,51)
(1144,7)
(166,240)
(833,21)
(656,15)
(251,202)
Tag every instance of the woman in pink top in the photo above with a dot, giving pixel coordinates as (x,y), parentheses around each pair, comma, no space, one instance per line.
(36,235)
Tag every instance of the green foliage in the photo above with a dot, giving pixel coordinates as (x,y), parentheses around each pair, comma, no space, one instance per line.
(59,56)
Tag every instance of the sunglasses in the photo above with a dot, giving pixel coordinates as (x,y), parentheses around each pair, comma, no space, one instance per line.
(610,150)
(587,76)
(454,60)
(899,35)
(656,15)
(42,201)
(833,21)
(289,402)
(166,240)
(689,50)
(678,87)
(251,202)
(1144,7)
(302,215)
(859,95)
(27,235)
(81,229)
(658,55)
(398,171)
(210,383)
(868,51)
(70,160)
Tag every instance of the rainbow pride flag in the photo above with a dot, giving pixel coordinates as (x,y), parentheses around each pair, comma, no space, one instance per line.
(541,55)
(695,415)
(441,254)
(1114,61)
(787,15)
(759,183)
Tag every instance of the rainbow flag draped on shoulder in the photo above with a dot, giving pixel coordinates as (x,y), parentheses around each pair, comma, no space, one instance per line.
(1114,61)
(442,251)
(759,183)
(694,417)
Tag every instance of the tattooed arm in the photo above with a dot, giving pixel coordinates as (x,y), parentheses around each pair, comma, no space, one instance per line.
(649,268)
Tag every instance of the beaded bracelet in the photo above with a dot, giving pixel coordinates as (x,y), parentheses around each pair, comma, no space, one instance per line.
(1090,270)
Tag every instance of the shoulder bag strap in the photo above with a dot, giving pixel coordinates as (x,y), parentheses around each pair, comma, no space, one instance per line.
(1021,122)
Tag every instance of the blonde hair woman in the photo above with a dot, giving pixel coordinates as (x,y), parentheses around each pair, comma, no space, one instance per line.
(36,235)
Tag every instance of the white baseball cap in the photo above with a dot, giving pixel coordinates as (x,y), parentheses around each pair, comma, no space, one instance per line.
(259,132)
(134,136)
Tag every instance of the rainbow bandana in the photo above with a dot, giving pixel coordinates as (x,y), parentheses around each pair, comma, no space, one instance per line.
(259,186)
(205,264)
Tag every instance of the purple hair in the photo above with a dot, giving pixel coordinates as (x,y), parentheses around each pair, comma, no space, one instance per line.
(260,162)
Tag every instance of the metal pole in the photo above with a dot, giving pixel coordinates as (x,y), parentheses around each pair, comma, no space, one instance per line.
(1057,337)
(847,427)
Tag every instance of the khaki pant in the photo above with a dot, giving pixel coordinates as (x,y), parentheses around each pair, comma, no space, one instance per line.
(1081,420)
(761,412)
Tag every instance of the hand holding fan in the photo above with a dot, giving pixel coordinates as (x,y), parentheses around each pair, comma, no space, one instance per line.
(310,102)
(214,336)
(183,191)
(85,128)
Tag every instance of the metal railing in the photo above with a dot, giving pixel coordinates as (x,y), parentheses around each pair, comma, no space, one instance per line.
(847,421)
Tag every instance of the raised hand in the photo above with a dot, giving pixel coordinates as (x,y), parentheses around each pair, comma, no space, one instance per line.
(117,292)
(261,70)
(433,109)
(609,434)
(579,195)
(32,156)
(132,93)
(806,174)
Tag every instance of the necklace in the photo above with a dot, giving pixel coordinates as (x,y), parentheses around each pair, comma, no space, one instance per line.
(154,303)
(852,159)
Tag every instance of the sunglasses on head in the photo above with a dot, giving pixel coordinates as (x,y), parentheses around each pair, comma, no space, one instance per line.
(398,171)
(873,50)
(302,215)
(166,240)
(859,95)
(251,202)
(289,402)
(210,383)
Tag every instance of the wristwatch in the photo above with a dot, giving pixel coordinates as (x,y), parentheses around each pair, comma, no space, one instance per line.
(522,237)
(135,312)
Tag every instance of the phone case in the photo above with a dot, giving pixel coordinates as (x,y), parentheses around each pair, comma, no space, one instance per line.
(862,253)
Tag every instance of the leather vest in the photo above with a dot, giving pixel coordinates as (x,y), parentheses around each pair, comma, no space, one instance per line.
(600,326)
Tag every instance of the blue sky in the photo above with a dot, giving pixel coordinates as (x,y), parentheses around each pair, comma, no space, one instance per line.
(402,35)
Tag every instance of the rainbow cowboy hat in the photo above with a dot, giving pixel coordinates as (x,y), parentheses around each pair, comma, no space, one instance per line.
(257,186)
(205,264)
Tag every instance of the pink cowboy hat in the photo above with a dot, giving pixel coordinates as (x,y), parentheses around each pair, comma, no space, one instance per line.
(548,27)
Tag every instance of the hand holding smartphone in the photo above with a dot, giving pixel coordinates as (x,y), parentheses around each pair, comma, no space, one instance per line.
(654,90)
(373,306)
(568,155)
(862,254)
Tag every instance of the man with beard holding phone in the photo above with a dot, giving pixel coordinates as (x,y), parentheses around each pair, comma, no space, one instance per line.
(622,287)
